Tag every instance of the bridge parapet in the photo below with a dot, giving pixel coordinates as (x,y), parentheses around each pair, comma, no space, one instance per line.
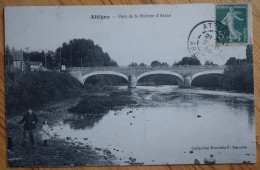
(146,67)
(184,70)
(184,74)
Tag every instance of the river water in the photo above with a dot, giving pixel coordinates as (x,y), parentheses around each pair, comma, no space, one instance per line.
(172,126)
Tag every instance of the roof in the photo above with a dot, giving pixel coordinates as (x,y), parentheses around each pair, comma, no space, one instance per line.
(35,63)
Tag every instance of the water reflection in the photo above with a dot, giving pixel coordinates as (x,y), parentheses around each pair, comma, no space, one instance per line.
(86,121)
(92,108)
(168,123)
(251,116)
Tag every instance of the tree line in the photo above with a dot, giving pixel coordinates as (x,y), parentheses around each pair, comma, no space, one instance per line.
(192,60)
(85,53)
(237,76)
(75,53)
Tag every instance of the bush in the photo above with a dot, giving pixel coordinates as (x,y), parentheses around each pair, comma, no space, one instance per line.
(32,89)
(239,77)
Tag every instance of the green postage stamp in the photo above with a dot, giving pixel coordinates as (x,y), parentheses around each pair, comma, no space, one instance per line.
(234,19)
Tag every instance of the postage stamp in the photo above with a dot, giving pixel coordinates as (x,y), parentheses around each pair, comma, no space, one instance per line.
(234,17)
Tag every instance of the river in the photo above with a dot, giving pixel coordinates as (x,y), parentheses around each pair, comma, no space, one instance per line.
(172,126)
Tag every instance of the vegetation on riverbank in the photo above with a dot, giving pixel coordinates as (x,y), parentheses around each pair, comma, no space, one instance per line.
(96,105)
(237,77)
(60,152)
(239,74)
(33,89)
(78,52)
(91,108)
(240,78)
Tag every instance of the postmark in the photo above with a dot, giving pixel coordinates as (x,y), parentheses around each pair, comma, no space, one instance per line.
(202,39)
(234,17)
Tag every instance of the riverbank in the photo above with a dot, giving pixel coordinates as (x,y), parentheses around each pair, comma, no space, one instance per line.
(60,152)
(79,137)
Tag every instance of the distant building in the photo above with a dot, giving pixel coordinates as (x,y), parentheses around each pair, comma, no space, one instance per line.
(18,60)
(35,66)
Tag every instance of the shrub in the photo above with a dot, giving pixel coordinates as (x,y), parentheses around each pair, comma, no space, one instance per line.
(32,89)
(240,78)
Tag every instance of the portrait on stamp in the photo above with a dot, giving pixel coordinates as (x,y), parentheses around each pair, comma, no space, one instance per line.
(235,18)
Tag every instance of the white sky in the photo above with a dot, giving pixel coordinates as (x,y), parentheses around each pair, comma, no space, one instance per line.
(125,40)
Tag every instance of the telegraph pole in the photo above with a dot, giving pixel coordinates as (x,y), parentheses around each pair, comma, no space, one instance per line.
(45,59)
(60,58)
(28,58)
(81,61)
(81,56)
(70,57)
(8,59)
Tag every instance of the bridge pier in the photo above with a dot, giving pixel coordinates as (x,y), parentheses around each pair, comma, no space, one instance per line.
(132,81)
(187,82)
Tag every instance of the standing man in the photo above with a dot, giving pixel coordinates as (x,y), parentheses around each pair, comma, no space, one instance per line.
(29,119)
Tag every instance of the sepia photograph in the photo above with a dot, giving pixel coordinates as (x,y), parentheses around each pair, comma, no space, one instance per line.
(127,85)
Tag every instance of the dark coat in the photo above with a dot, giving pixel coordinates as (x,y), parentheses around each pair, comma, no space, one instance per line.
(28,121)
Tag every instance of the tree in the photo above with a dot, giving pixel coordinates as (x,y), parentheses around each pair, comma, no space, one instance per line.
(155,63)
(82,53)
(232,61)
(209,63)
(47,58)
(133,64)
(142,65)
(34,56)
(189,61)
(8,57)
(112,63)
(249,53)
(240,77)
(50,61)
(164,64)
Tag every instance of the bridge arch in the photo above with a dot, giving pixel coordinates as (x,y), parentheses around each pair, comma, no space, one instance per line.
(84,77)
(221,72)
(179,77)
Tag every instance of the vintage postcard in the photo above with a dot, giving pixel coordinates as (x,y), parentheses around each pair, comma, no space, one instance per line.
(129,85)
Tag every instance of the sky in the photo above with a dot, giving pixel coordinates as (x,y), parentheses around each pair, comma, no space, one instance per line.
(126,40)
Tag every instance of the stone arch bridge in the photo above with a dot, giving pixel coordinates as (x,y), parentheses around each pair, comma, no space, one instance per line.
(184,74)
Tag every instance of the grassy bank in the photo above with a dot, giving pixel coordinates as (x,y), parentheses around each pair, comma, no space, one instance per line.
(33,89)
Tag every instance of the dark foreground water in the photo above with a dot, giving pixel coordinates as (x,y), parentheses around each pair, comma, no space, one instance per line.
(172,126)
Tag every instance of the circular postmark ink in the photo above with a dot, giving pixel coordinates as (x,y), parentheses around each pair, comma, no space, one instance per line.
(203,38)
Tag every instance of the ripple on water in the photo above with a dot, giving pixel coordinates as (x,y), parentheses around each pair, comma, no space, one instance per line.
(169,133)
